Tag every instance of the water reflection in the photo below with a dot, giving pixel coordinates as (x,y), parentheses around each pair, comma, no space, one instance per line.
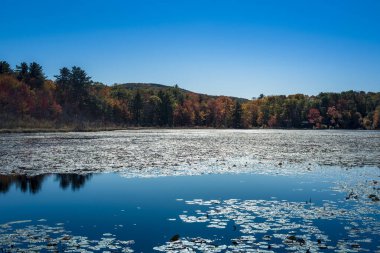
(33,184)
(75,181)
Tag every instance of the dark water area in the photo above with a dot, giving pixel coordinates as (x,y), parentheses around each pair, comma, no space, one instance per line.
(107,210)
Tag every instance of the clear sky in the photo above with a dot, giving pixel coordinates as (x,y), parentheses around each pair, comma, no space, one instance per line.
(239,48)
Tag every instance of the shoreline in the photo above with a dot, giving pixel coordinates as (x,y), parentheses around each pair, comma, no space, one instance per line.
(67,130)
(63,130)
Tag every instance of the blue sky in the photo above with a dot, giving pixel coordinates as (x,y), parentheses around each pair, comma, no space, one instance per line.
(240,48)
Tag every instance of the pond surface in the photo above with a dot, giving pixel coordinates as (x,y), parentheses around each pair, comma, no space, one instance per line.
(190,191)
(151,153)
(209,213)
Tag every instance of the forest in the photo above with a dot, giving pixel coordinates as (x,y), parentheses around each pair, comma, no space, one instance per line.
(73,101)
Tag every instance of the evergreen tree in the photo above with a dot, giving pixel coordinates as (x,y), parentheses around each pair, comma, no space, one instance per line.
(22,72)
(36,76)
(137,105)
(63,84)
(5,68)
(166,110)
(237,116)
(63,79)
(73,89)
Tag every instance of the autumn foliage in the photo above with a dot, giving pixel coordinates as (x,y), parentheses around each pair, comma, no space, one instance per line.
(28,97)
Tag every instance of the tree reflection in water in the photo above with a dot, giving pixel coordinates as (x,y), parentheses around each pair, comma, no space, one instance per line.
(33,184)
(76,181)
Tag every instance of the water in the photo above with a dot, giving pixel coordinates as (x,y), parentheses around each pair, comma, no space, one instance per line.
(190,191)
(151,211)
(185,152)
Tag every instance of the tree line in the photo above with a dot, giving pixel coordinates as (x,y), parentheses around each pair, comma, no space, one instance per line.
(29,99)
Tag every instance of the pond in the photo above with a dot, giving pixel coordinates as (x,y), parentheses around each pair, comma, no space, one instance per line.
(209,213)
(190,191)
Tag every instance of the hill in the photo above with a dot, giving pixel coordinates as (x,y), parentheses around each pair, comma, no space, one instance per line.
(151,86)
(157,87)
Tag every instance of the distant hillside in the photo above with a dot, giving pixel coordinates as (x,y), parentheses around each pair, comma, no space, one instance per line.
(152,86)
(156,87)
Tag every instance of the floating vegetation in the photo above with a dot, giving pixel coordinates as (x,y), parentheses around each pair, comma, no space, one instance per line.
(191,245)
(147,153)
(267,225)
(43,238)
(175,238)
(373,197)
(359,184)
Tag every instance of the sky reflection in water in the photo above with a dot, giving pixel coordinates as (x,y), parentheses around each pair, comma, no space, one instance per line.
(151,211)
